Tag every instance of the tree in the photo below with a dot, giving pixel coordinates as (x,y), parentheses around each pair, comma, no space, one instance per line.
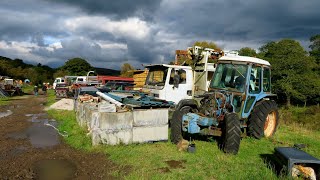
(60,73)
(246,51)
(315,47)
(292,70)
(126,70)
(77,67)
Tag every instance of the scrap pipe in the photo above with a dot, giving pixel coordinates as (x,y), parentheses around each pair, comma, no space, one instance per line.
(104,96)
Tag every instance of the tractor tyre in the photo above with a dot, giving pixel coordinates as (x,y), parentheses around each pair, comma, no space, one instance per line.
(231,134)
(264,119)
(176,123)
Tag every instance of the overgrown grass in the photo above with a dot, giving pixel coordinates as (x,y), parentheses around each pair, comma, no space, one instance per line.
(149,160)
(308,117)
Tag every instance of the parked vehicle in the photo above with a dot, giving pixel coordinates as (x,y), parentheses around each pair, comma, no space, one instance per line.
(239,100)
(174,82)
(62,90)
(58,80)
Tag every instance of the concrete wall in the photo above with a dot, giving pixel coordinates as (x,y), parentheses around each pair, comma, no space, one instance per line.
(137,126)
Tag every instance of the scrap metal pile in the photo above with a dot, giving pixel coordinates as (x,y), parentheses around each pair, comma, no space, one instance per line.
(121,99)
(9,87)
(137,99)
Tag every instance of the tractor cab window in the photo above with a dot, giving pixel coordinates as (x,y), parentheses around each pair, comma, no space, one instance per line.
(230,77)
(254,82)
(266,80)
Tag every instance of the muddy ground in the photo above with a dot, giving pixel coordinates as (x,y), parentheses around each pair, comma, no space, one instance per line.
(30,147)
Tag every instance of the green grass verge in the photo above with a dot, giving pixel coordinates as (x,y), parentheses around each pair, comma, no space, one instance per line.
(67,123)
(51,98)
(148,161)
(4,101)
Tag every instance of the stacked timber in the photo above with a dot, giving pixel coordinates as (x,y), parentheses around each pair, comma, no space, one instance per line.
(139,78)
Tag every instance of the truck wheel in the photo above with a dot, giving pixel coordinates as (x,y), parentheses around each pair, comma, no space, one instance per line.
(264,119)
(231,134)
(176,123)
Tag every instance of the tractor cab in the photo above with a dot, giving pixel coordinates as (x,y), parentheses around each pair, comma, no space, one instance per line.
(239,100)
(244,80)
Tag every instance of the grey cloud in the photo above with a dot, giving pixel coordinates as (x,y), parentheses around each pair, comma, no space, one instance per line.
(118,9)
(234,24)
(83,48)
(26,20)
(243,20)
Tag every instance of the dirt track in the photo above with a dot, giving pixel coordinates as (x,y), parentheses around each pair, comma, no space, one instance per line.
(31,150)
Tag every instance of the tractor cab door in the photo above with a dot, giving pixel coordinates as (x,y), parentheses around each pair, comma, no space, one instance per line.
(254,89)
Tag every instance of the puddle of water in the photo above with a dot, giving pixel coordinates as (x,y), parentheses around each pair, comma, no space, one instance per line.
(39,133)
(42,136)
(5,114)
(53,169)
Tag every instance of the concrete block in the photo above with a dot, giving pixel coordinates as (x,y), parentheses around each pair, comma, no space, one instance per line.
(107,107)
(149,134)
(87,116)
(112,138)
(115,121)
(94,121)
(150,117)
(81,115)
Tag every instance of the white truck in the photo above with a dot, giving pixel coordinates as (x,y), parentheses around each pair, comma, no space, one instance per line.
(174,82)
(58,80)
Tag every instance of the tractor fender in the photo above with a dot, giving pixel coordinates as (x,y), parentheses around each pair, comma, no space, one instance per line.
(187,102)
(267,97)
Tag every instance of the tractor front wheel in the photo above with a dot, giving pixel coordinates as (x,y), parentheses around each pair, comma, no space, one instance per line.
(264,119)
(176,123)
(231,134)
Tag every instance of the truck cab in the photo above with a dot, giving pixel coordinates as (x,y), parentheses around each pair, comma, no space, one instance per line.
(176,82)
(173,82)
(58,80)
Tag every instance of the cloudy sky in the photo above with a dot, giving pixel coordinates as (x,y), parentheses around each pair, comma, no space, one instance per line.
(110,33)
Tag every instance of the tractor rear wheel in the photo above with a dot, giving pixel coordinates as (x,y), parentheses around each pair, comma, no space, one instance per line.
(231,134)
(176,123)
(264,119)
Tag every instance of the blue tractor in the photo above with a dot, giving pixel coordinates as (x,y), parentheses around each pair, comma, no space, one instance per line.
(239,101)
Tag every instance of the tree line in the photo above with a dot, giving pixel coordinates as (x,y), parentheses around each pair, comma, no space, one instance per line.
(295,72)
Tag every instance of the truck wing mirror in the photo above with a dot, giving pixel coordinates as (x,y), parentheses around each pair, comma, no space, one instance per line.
(176,80)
